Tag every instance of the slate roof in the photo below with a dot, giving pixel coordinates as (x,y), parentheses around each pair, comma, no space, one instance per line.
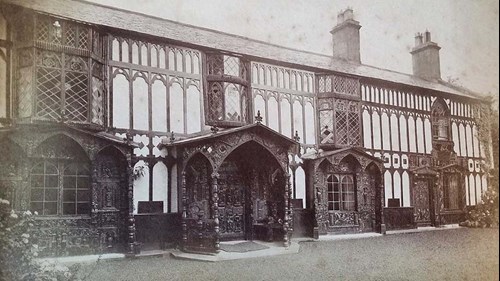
(206,38)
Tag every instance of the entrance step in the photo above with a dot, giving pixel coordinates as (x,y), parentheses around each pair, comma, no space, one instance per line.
(273,249)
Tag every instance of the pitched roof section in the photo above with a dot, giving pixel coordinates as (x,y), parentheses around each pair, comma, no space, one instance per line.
(322,154)
(210,135)
(197,36)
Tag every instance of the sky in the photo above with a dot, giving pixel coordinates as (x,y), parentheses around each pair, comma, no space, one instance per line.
(467,31)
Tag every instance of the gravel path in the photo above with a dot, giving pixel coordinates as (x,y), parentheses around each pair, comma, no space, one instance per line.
(455,254)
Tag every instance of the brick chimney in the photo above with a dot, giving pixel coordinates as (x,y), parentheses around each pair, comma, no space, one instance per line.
(425,56)
(346,37)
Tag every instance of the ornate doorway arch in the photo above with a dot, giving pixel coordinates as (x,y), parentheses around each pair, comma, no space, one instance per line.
(251,192)
(246,189)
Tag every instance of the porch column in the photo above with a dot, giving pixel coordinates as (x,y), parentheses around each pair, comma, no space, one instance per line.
(133,248)
(383,228)
(316,197)
(215,199)
(184,211)
(438,200)
(287,228)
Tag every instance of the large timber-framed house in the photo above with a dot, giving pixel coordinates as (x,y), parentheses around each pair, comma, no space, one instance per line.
(122,129)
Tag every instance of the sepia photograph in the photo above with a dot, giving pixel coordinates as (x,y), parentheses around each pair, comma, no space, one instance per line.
(249,140)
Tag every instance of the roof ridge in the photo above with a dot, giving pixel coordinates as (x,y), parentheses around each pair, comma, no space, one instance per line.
(201,27)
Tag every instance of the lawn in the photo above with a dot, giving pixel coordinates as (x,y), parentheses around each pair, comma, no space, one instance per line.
(454,254)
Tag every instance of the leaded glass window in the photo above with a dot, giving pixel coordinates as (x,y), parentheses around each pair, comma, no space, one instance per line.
(226,95)
(76,192)
(326,122)
(347,123)
(341,193)
(339,122)
(60,188)
(67,60)
(60,32)
(232,101)
(339,85)
(44,188)
(62,86)
(215,99)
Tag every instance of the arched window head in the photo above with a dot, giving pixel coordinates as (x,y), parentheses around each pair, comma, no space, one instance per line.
(440,120)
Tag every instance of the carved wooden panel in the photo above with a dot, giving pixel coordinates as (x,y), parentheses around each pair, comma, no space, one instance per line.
(66,237)
(232,202)
(342,218)
(421,201)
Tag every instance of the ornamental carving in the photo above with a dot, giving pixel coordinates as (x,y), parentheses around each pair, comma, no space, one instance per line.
(421,200)
(367,176)
(217,150)
(227,203)
(342,218)
(73,235)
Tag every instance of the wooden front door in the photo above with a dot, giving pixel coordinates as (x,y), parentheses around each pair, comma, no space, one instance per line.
(423,201)
(233,203)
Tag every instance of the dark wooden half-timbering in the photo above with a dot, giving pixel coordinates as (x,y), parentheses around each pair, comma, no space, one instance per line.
(108,117)
(345,190)
(78,183)
(235,186)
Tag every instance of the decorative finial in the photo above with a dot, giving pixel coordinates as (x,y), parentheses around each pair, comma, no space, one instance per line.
(296,136)
(172,137)
(129,138)
(214,129)
(258,118)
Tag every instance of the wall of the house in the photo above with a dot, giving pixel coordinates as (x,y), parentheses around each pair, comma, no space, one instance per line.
(397,126)
(285,98)
(155,89)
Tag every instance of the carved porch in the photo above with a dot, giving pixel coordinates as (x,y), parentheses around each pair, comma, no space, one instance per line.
(235,186)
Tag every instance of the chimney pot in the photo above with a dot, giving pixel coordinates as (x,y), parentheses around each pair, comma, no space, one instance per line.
(340,18)
(348,14)
(418,39)
(427,36)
